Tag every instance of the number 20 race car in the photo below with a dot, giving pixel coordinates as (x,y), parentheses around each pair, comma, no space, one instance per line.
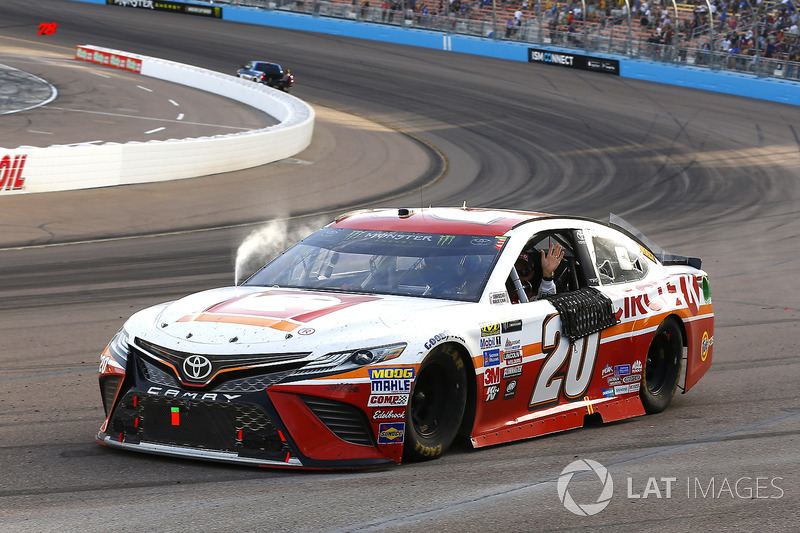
(387,334)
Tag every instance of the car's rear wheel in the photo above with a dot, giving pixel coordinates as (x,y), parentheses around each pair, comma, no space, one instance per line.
(662,367)
(437,405)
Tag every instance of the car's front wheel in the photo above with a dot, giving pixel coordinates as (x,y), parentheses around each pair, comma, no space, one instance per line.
(662,367)
(437,405)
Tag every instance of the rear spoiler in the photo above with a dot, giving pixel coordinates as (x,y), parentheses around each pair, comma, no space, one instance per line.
(665,258)
(672,259)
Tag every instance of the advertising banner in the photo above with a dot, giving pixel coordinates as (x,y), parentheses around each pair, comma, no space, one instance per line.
(570,60)
(175,7)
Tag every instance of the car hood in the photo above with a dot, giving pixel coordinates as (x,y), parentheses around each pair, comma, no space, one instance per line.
(244,319)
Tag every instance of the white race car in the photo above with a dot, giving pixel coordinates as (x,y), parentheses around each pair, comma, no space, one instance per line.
(389,333)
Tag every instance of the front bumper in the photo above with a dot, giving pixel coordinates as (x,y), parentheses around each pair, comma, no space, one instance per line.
(247,421)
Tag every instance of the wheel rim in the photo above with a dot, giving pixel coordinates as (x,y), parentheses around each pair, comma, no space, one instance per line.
(428,402)
(657,363)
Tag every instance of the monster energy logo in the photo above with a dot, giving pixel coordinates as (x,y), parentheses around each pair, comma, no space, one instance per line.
(389,236)
(354,234)
(444,240)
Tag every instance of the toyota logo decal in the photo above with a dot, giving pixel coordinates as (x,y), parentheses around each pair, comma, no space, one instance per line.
(196,367)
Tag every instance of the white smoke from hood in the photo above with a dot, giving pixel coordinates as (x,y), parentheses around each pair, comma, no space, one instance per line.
(265,243)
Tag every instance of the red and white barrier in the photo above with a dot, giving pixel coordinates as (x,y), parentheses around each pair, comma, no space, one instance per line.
(60,168)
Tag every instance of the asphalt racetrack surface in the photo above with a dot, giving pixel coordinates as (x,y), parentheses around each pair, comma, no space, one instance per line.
(701,174)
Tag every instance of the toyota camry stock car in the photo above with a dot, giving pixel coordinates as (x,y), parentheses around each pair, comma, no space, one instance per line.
(387,334)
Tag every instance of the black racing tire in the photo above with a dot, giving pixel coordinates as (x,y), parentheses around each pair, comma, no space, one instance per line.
(662,367)
(438,401)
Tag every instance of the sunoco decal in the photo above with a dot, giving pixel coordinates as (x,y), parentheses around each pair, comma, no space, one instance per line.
(391,433)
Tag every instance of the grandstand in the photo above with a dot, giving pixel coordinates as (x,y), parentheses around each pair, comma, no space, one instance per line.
(760,38)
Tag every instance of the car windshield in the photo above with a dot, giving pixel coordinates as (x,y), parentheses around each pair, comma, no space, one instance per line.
(429,265)
(269,68)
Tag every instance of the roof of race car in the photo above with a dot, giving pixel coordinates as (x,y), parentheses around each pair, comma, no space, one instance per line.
(452,220)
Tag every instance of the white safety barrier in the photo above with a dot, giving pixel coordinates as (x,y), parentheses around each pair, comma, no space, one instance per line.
(83,166)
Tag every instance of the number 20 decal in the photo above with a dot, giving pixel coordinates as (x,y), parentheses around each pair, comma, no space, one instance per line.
(552,381)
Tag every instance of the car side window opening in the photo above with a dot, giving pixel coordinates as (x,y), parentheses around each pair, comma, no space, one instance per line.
(618,259)
(567,277)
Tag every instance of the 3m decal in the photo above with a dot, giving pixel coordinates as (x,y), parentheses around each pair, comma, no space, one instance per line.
(491,376)
(580,356)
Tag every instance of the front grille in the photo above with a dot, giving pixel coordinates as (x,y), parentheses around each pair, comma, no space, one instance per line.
(251,383)
(222,367)
(155,374)
(343,419)
(230,427)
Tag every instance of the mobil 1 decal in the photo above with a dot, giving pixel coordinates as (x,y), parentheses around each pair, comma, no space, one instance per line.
(567,368)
